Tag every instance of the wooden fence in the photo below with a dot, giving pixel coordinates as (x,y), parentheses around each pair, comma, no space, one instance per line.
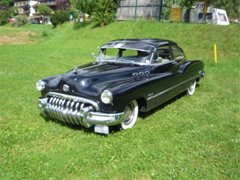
(134,9)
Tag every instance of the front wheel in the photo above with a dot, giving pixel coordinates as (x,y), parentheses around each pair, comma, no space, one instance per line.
(131,114)
(191,89)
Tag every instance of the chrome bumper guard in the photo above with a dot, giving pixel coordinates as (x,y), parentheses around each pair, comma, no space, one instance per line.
(76,110)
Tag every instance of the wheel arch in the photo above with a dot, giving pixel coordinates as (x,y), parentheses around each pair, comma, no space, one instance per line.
(142,104)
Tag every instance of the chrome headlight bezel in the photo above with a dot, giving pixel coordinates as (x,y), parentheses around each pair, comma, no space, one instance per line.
(40,85)
(106,97)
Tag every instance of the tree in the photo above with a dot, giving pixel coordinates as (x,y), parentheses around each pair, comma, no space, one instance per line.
(103,13)
(13,11)
(5,3)
(73,13)
(188,4)
(5,14)
(85,6)
(43,9)
(59,17)
(231,6)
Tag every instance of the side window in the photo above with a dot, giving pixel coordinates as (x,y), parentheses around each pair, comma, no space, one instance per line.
(164,52)
(177,53)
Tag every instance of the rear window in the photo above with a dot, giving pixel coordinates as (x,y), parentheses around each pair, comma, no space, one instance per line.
(176,52)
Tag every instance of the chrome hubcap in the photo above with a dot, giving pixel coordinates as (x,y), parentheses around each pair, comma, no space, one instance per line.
(191,89)
(128,114)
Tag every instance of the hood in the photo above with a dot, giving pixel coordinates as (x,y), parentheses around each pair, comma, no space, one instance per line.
(93,78)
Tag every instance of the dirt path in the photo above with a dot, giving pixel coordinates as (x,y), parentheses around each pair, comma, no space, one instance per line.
(17,38)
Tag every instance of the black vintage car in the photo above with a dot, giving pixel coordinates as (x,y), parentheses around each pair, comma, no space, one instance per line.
(128,76)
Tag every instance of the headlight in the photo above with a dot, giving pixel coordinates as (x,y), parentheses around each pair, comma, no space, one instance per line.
(106,97)
(40,85)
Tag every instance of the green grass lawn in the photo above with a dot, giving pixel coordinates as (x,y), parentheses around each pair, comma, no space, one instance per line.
(194,137)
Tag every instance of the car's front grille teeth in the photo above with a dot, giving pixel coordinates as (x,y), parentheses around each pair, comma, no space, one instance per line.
(67,110)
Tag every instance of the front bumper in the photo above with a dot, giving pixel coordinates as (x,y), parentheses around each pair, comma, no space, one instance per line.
(70,113)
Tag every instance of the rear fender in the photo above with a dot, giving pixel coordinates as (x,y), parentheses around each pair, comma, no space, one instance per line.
(191,67)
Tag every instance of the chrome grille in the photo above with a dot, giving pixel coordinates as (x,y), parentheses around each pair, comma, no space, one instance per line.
(70,109)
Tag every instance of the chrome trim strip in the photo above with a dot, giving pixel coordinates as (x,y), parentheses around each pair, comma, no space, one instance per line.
(53,107)
(71,112)
(56,108)
(128,48)
(96,118)
(169,89)
(75,113)
(60,109)
(76,98)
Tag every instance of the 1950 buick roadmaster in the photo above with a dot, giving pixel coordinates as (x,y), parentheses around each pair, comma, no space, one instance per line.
(128,76)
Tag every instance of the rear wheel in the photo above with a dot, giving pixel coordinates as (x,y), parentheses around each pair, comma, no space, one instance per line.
(191,89)
(131,114)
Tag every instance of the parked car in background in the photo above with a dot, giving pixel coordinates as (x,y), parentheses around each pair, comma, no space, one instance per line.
(34,21)
(129,76)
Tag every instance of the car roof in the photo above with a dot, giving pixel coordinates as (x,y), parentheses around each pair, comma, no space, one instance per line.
(137,44)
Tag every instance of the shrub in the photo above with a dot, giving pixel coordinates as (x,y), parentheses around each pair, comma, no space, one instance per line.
(78,25)
(59,17)
(20,20)
(13,11)
(85,6)
(43,9)
(4,14)
(74,13)
(104,12)
(44,34)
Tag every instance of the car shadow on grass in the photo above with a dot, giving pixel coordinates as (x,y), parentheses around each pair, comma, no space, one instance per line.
(144,115)
(75,127)
(68,125)
(162,106)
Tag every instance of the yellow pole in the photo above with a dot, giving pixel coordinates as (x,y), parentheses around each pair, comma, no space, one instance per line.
(215,53)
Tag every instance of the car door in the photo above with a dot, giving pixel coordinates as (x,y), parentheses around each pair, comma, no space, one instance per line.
(166,74)
(178,59)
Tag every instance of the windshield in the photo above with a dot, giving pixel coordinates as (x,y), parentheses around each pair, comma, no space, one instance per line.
(125,55)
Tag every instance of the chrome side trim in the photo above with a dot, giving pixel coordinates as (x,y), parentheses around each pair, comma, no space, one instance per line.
(169,89)
(75,98)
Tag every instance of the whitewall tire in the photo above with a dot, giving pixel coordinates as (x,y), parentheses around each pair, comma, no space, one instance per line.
(131,115)
(191,89)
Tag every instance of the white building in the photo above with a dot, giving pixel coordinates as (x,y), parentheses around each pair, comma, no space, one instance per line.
(26,7)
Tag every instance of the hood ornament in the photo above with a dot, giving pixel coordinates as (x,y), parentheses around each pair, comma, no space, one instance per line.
(65,88)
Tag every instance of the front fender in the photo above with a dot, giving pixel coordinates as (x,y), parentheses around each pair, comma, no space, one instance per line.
(52,82)
(125,93)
